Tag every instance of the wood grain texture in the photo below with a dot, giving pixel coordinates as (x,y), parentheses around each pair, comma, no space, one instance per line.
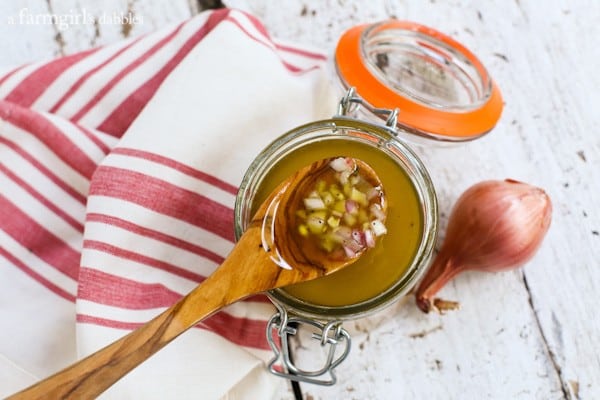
(36,41)
(111,20)
(529,334)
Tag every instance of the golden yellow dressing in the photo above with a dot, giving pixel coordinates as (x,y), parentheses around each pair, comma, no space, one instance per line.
(381,266)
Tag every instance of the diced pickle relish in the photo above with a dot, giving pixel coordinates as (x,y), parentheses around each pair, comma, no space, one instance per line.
(344,212)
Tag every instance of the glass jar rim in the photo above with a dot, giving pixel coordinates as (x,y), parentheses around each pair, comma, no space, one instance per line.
(357,65)
(337,128)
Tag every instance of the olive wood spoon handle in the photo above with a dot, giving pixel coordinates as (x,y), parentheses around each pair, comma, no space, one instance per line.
(248,269)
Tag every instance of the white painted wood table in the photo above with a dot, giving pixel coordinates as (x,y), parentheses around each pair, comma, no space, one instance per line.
(528,334)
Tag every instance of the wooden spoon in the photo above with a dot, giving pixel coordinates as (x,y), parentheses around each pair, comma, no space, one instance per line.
(264,258)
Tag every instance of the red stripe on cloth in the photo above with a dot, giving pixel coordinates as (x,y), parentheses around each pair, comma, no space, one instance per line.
(102,288)
(49,174)
(37,239)
(41,198)
(301,52)
(241,331)
(164,198)
(258,298)
(110,290)
(27,92)
(290,67)
(49,134)
(37,277)
(176,165)
(258,26)
(123,73)
(94,138)
(108,323)
(114,221)
(11,73)
(156,235)
(118,121)
(83,78)
(142,259)
(251,335)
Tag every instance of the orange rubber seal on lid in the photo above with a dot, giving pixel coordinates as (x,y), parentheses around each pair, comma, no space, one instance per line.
(455,125)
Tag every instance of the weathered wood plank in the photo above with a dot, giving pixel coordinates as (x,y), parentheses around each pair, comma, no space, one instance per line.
(27,33)
(108,21)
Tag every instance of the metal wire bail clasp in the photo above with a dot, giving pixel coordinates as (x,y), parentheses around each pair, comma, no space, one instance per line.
(329,334)
(351,102)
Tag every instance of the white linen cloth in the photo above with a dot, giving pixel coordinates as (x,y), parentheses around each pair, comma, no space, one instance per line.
(118,173)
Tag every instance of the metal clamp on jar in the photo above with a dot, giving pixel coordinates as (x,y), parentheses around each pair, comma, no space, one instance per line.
(401,81)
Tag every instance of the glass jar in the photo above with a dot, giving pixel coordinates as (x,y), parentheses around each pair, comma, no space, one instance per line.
(402,81)
(379,147)
(394,271)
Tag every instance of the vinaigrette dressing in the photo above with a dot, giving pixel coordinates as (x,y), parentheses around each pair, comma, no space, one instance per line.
(380,267)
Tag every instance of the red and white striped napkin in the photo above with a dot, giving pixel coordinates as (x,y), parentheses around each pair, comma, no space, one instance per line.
(118,173)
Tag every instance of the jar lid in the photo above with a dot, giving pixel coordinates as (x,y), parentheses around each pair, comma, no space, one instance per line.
(442,89)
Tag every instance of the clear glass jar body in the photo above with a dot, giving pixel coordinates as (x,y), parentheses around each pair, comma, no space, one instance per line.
(381,140)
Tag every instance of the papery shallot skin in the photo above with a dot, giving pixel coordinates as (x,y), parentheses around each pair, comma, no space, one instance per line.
(494,226)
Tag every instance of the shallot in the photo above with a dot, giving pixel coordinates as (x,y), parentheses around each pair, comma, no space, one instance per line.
(345,213)
(494,226)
